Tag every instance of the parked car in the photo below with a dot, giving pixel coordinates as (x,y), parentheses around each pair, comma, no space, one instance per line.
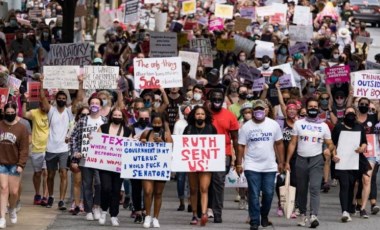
(367,10)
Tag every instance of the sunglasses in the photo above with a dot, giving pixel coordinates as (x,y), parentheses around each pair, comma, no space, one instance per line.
(339,98)
(325,98)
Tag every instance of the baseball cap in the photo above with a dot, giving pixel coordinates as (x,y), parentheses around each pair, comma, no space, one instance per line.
(259,104)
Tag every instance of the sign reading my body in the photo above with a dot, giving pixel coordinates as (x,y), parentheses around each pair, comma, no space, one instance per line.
(200,151)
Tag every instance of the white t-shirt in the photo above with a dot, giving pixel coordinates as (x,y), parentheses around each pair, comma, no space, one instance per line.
(92,127)
(179,127)
(311,137)
(260,155)
(58,128)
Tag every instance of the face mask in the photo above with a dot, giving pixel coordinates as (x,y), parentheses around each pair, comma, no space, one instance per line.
(265,65)
(147,104)
(350,119)
(324,103)
(199,121)
(117,121)
(270,30)
(19,59)
(310,90)
(143,123)
(197,96)
(105,102)
(322,68)
(10,117)
(273,79)
(243,96)
(312,113)
(333,39)
(259,114)
(61,103)
(336,56)
(216,104)
(283,51)
(156,129)
(363,109)
(157,104)
(94,109)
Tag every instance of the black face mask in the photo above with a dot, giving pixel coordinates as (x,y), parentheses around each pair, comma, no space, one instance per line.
(143,123)
(156,129)
(312,113)
(199,121)
(10,117)
(243,96)
(363,109)
(216,104)
(350,119)
(117,121)
(61,103)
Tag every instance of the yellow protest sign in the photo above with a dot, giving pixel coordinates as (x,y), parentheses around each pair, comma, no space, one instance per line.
(225,44)
(182,39)
(224,11)
(188,7)
(242,23)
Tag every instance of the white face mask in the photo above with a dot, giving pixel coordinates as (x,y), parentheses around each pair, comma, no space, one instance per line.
(336,56)
(197,96)
(265,65)
(157,104)
(333,39)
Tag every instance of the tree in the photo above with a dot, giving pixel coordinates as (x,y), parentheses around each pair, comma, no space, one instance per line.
(68,10)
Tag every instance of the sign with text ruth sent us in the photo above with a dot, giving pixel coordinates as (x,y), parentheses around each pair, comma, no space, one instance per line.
(199,153)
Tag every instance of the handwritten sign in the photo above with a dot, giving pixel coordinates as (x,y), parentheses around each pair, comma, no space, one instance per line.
(285,81)
(225,44)
(61,77)
(302,15)
(192,58)
(337,74)
(258,84)
(69,54)
(131,13)
(203,46)
(4,93)
(248,72)
(367,85)
(198,153)
(13,84)
(216,24)
(163,44)
(301,33)
(100,77)
(188,7)
(300,47)
(372,65)
(241,24)
(34,89)
(146,161)
(247,12)
(153,73)
(224,11)
(264,48)
(265,11)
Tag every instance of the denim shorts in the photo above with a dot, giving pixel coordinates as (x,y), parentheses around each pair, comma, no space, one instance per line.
(10,170)
(372,159)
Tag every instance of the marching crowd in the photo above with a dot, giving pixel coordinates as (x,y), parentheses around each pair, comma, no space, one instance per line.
(305,129)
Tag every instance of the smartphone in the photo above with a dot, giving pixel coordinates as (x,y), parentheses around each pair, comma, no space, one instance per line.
(156,135)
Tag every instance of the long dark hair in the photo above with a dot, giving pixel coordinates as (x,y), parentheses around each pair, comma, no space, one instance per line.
(123,123)
(191,116)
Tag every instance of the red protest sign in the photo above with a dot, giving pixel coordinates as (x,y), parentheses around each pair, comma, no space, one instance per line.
(306,73)
(337,74)
(34,89)
(4,93)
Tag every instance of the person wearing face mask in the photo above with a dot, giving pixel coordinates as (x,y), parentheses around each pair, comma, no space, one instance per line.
(348,176)
(262,136)
(14,143)
(19,63)
(308,136)
(235,108)
(20,45)
(12,26)
(266,69)
(282,54)
(198,92)
(79,143)
(105,96)
(273,86)
(111,182)
(320,73)
(161,101)
(339,105)
(226,124)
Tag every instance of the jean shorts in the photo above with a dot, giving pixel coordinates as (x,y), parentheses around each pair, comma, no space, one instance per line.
(10,170)
(372,160)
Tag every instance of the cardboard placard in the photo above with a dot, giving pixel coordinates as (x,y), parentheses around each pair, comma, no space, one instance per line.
(163,44)
(188,7)
(258,84)
(301,33)
(69,54)
(203,46)
(224,11)
(247,12)
(248,72)
(34,90)
(100,77)
(198,153)
(4,94)
(225,44)
(131,12)
(337,74)
(302,15)
(192,58)
(285,81)
(241,24)
(367,84)
(263,11)
(61,77)
(243,44)
(264,48)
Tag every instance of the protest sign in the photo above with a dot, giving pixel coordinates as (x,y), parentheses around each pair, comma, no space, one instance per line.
(372,65)
(372,145)
(190,25)
(306,73)
(302,15)
(287,70)
(361,39)
(3,9)
(225,44)
(216,24)
(285,81)
(241,24)
(80,11)
(347,144)
(264,48)
(301,47)
(367,85)
(151,1)
(301,33)
(160,20)
(263,11)
(35,14)
(13,84)
(163,44)
(34,89)
(258,84)
(61,77)
(224,11)
(278,18)
(182,39)
(188,7)
(248,72)
(131,12)
(104,152)
(243,44)
(203,21)
(154,73)
(69,54)
(192,58)
(100,77)
(203,46)
(4,93)
(337,74)
(146,161)
(198,153)
(247,12)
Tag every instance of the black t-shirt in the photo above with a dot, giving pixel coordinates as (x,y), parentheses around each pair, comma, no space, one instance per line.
(341,127)
(287,136)
(209,129)
(172,110)
(105,128)
(369,124)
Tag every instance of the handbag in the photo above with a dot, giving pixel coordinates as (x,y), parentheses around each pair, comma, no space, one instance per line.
(287,196)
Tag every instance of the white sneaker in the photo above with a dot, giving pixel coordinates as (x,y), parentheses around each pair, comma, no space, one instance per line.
(13,215)
(314,222)
(334,183)
(96,212)
(210,213)
(242,204)
(102,218)
(18,206)
(345,217)
(89,216)
(115,221)
(302,220)
(147,222)
(237,198)
(3,223)
(156,224)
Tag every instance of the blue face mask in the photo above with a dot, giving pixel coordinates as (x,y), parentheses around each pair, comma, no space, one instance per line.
(283,50)
(147,104)
(273,79)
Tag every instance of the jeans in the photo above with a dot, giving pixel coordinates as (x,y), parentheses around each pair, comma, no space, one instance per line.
(91,188)
(181,184)
(110,191)
(264,182)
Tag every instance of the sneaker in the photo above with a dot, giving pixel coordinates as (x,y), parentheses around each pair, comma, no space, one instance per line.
(81,207)
(334,183)
(345,217)
(210,213)
(181,207)
(237,198)
(265,222)
(76,211)
(242,204)
(314,221)
(204,220)
(61,205)
(254,227)
(138,219)
(133,214)
(102,218)
(293,216)
(3,223)
(89,216)
(363,214)
(13,215)
(194,221)
(156,224)
(44,201)
(115,221)
(37,200)
(375,209)
(50,202)
(71,210)
(18,206)
(96,212)
(325,187)
(302,220)
(297,212)
(147,222)
(280,212)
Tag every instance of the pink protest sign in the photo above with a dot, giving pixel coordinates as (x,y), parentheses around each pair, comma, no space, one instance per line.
(337,74)
(216,24)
